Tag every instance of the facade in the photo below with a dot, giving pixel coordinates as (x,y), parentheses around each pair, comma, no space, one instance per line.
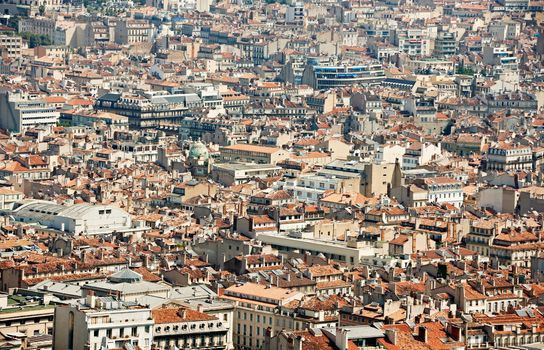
(186,328)
(255,312)
(78,219)
(350,252)
(132,31)
(310,188)
(9,198)
(150,109)
(10,46)
(442,190)
(244,153)
(333,76)
(507,157)
(229,174)
(20,113)
(295,14)
(100,322)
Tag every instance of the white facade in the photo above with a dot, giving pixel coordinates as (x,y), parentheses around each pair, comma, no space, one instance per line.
(416,158)
(310,189)
(19,114)
(295,14)
(390,153)
(76,219)
(444,190)
(102,323)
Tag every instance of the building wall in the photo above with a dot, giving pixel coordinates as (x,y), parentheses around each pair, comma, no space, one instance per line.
(502,200)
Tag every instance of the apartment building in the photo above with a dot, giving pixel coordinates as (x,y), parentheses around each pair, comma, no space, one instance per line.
(442,190)
(37,25)
(10,46)
(505,30)
(132,31)
(310,188)
(331,76)
(503,156)
(8,197)
(98,322)
(229,174)
(500,56)
(295,14)
(30,317)
(350,252)
(413,41)
(183,327)
(445,44)
(256,312)
(245,153)
(20,112)
(149,109)
(419,154)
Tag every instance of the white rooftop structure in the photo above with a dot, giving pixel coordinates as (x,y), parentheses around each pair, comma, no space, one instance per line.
(77,219)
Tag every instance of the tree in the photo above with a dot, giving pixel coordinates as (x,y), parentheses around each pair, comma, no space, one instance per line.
(13,22)
(465,71)
(36,39)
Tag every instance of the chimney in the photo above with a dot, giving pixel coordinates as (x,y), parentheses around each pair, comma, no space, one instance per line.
(341,338)
(182,313)
(391,335)
(91,299)
(422,334)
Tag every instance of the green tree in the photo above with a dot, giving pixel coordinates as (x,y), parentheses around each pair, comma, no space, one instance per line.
(13,22)
(36,39)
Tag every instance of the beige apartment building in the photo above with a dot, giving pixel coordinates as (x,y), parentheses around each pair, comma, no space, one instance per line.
(133,31)
(256,312)
(10,46)
(245,153)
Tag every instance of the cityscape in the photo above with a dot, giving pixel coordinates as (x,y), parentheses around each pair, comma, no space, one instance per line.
(271,174)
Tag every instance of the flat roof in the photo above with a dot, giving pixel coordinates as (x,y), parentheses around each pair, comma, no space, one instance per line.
(260,291)
(245,166)
(252,148)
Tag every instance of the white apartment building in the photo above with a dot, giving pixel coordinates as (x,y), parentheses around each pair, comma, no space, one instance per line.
(505,30)
(295,14)
(418,154)
(310,188)
(19,113)
(8,197)
(442,190)
(350,252)
(500,56)
(413,41)
(504,156)
(102,323)
(390,153)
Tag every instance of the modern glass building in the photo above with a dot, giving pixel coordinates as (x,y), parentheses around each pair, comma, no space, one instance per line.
(327,77)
